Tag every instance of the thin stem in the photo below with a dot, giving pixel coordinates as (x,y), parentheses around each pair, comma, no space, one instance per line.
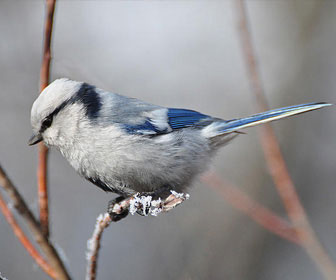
(43,150)
(48,26)
(44,243)
(260,214)
(275,161)
(24,240)
(103,221)
(43,188)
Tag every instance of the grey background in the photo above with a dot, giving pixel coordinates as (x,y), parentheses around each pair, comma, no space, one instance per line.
(178,54)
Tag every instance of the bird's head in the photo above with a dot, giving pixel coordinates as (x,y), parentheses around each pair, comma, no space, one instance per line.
(55,113)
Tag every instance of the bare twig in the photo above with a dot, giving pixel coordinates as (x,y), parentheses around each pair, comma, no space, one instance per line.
(24,240)
(43,150)
(260,214)
(48,25)
(275,161)
(43,188)
(44,243)
(138,203)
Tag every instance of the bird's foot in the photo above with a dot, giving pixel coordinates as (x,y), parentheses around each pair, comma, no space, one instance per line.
(116,209)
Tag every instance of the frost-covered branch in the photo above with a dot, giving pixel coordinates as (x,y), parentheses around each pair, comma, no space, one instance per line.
(144,205)
(93,245)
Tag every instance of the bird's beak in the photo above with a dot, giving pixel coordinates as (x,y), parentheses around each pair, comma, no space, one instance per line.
(34,139)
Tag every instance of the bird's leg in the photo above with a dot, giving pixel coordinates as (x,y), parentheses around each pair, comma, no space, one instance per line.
(116,209)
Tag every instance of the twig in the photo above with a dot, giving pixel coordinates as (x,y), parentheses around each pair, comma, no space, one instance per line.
(44,243)
(24,240)
(103,221)
(260,214)
(138,203)
(43,188)
(275,161)
(43,150)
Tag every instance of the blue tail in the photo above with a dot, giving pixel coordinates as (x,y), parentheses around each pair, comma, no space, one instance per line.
(237,124)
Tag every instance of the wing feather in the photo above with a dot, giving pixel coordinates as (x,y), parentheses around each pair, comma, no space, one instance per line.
(166,120)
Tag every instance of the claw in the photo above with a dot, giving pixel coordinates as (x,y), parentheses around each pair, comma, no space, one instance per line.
(122,213)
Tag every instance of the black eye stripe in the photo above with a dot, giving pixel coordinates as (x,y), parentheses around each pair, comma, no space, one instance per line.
(46,123)
(85,95)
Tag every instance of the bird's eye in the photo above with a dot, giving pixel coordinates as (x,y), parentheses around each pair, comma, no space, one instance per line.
(46,123)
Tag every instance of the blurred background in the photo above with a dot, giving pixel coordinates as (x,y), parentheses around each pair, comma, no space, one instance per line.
(177,54)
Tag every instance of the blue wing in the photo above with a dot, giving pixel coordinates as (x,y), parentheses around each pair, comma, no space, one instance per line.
(167,120)
(182,118)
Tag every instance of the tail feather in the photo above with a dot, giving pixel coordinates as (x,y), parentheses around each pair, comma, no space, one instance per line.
(237,124)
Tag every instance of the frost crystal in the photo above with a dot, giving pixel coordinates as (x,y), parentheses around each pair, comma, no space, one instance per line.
(134,204)
(180,195)
(156,211)
(91,242)
(148,206)
(156,203)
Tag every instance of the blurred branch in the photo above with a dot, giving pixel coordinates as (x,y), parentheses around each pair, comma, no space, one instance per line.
(260,214)
(130,204)
(24,240)
(43,150)
(275,161)
(39,232)
(34,226)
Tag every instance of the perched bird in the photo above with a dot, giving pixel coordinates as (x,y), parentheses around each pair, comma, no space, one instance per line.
(124,145)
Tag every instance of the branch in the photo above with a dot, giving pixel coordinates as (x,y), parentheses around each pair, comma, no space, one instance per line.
(43,200)
(275,160)
(260,214)
(136,203)
(25,241)
(34,226)
(43,150)
(103,221)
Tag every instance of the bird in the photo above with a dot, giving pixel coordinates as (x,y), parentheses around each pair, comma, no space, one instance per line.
(127,146)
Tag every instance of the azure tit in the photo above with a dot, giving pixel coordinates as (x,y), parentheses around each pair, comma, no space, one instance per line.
(127,146)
